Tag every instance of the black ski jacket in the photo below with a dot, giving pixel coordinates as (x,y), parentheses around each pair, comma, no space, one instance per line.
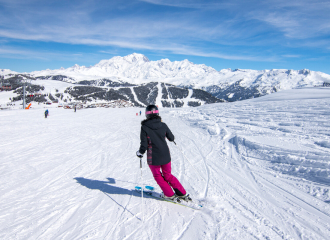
(153,133)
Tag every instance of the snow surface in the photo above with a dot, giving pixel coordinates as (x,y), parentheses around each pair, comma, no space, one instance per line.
(260,168)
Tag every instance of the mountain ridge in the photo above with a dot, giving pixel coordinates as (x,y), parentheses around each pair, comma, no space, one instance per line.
(228,84)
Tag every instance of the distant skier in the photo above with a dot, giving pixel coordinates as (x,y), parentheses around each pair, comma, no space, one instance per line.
(46,113)
(140,113)
(75,109)
(153,133)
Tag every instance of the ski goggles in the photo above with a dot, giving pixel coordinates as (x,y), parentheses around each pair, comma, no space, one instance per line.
(151,112)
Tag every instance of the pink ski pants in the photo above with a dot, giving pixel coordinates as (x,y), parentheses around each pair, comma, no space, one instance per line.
(166,180)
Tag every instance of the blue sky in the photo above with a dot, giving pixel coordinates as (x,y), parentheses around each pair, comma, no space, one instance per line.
(268,34)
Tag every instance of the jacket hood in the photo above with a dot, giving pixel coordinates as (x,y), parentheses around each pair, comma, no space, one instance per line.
(153,123)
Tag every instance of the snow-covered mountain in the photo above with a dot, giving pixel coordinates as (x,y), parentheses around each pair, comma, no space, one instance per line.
(227,84)
(136,68)
(244,84)
(6,72)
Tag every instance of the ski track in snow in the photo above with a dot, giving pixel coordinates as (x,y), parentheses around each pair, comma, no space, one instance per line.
(188,98)
(135,97)
(159,95)
(260,169)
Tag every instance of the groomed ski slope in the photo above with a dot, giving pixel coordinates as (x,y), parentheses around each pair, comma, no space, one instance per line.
(260,167)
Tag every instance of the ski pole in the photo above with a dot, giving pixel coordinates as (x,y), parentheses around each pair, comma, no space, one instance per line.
(142,189)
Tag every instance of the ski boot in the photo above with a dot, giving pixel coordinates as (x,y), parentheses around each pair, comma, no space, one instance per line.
(185,197)
(173,198)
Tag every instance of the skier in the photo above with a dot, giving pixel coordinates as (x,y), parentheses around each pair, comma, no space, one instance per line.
(46,113)
(140,113)
(152,136)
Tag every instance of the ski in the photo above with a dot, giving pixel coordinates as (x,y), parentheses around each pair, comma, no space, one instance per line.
(149,190)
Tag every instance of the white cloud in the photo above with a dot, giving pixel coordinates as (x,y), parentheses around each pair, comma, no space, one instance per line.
(23,53)
(175,49)
(18,51)
(302,19)
(291,56)
(188,3)
(199,31)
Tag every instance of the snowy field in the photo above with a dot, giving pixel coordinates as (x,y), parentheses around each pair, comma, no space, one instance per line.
(260,167)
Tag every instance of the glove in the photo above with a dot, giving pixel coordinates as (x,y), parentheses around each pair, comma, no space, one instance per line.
(138,154)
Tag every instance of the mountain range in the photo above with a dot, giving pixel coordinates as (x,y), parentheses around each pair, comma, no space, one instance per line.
(136,70)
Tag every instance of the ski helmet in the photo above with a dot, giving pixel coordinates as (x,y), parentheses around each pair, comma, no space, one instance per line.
(151,110)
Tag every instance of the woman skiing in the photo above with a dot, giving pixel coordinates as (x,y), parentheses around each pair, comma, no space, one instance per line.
(153,133)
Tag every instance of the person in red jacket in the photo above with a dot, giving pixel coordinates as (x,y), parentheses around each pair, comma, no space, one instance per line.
(153,134)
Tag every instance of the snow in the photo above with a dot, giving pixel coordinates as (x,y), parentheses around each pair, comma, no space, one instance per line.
(7,73)
(296,94)
(137,69)
(231,95)
(188,98)
(5,96)
(52,85)
(135,97)
(159,95)
(260,167)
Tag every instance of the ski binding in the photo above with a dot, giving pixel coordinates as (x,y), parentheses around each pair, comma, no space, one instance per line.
(188,202)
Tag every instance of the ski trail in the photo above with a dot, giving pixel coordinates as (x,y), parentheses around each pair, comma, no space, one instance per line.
(169,93)
(186,100)
(159,96)
(185,228)
(140,226)
(203,158)
(293,199)
(192,165)
(241,176)
(135,97)
(119,219)
(181,171)
(325,215)
(247,170)
(207,180)
(249,182)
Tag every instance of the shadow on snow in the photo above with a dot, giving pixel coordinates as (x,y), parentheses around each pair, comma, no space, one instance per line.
(109,190)
(105,187)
